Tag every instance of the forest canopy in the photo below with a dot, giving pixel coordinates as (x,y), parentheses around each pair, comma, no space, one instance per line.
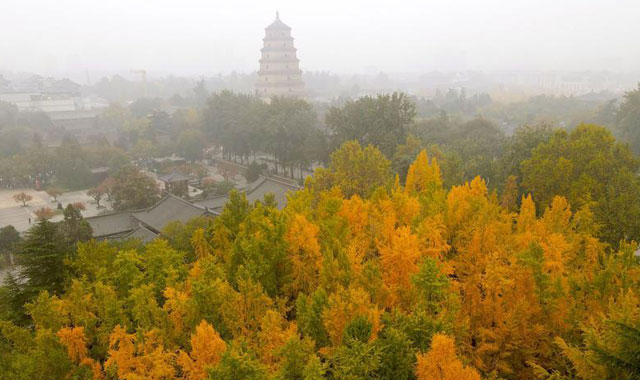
(400,280)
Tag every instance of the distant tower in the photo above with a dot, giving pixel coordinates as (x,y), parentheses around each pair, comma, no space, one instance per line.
(279,73)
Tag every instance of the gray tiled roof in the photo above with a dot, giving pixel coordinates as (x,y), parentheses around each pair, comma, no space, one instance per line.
(255,191)
(169,209)
(173,177)
(273,186)
(141,233)
(145,224)
(112,224)
(215,203)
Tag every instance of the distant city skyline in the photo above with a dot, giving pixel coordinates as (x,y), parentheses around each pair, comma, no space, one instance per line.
(198,37)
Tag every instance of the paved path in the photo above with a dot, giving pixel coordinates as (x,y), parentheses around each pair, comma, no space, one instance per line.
(16,216)
(12,213)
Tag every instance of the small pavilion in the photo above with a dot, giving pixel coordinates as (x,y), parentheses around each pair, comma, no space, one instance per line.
(176,183)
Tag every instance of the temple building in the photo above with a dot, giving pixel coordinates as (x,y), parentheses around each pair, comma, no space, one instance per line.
(147,224)
(279,73)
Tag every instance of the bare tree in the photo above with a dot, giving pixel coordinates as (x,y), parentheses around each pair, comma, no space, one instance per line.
(54,193)
(22,197)
(96,193)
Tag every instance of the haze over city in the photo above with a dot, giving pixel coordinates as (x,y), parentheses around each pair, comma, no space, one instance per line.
(328,190)
(65,38)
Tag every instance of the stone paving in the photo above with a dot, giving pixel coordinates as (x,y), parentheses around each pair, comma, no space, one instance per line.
(13,213)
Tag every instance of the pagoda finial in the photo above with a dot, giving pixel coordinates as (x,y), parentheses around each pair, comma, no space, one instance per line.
(277,15)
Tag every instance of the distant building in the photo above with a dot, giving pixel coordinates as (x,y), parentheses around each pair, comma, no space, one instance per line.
(279,73)
(61,100)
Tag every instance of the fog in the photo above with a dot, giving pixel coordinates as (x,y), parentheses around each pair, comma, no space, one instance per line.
(194,37)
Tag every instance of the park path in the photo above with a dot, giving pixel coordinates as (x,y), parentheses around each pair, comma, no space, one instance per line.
(12,213)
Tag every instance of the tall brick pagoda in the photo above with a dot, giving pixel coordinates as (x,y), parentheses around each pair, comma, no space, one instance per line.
(279,73)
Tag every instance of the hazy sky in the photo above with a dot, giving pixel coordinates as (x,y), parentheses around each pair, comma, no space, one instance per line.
(56,37)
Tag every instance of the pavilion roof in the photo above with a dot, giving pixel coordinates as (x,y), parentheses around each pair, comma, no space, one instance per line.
(174,176)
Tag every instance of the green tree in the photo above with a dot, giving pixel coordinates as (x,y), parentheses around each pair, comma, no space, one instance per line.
(74,228)
(236,364)
(479,142)
(519,147)
(253,171)
(235,122)
(383,121)
(71,164)
(191,142)
(628,119)
(42,256)
(590,169)
(260,248)
(621,351)
(134,190)
(397,355)
(355,171)
(9,237)
(290,124)
(309,309)
(358,357)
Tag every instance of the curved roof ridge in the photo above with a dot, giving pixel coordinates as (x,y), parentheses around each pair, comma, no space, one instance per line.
(284,182)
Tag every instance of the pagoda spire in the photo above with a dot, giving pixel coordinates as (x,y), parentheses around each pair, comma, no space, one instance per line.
(279,73)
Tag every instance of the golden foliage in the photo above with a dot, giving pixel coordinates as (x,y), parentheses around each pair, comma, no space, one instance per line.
(304,250)
(423,176)
(399,256)
(134,360)
(344,306)
(442,363)
(206,350)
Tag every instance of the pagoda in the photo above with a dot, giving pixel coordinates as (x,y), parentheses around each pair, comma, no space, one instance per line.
(279,73)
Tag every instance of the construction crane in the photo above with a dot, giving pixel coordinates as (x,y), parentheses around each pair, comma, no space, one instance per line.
(143,79)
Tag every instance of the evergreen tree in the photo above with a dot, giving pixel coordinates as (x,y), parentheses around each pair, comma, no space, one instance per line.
(74,228)
(42,256)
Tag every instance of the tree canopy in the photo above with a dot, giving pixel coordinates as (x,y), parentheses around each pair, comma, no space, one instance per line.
(356,278)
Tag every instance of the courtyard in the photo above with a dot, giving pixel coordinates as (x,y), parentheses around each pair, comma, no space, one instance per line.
(13,213)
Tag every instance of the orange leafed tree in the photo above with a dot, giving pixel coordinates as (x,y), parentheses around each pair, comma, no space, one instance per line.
(75,342)
(306,258)
(423,176)
(207,348)
(442,363)
(139,360)
(399,257)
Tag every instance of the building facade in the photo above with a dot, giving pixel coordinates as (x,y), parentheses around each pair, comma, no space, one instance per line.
(279,73)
